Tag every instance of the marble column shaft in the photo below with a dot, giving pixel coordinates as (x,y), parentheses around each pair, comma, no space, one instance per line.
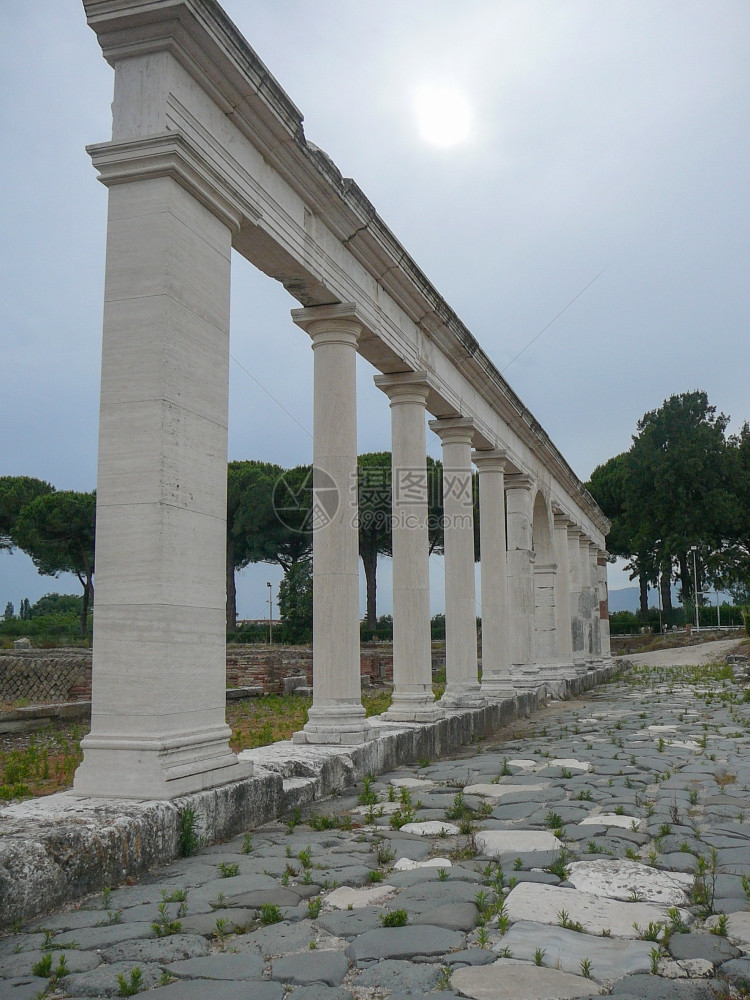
(337,714)
(496,677)
(562,584)
(520,578)
(413,697)
(462,681)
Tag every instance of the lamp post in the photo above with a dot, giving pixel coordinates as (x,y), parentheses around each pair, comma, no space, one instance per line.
(693,549)
(270,614)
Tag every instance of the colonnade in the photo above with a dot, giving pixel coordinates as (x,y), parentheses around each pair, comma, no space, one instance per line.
(543,581)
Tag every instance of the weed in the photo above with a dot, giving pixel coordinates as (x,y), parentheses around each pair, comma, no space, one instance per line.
(559,866)
(229,870)
(247,844)
(166,924)
(483,938)
(188,840)
(517,865)
(375,876)
(586,968)
(43,967)
(385,854)
(563,918)
(129,987)
(584,795)
(442,874)
(553,820)
(722,925)
(294,820)
(313,907)
(703,891)
(593,848)
(394,918)
(270,914)
(655,956)
(632,854)
(444,981)
(305,857)
(650,933)
(539,955)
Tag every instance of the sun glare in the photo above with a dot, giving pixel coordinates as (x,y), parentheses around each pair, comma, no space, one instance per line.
(444,116)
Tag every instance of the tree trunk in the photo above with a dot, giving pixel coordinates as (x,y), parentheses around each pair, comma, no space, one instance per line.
(643,588)
(369,556)
(686,579)
(88,593)
(665,584)
(231,590)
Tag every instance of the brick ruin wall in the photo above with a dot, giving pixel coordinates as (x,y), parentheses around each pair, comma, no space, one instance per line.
(44,676)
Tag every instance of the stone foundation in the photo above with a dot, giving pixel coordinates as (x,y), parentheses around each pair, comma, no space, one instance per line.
(56,849)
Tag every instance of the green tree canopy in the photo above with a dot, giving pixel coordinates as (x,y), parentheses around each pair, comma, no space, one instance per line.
(15,493)
(57,531)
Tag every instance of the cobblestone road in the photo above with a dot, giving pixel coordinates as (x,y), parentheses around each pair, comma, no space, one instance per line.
(605,850)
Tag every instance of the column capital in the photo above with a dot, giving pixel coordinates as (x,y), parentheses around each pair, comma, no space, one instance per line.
(454,430)
(404,387)
(602,557)
(172,155)
(562,520)
(341,322)
(574,531)
(492,460)
(519,481)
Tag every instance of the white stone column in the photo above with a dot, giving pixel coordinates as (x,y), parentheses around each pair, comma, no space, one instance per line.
(596,637)
(562,598)
(521,581)
(158,726)
(413,697)
(462,687)
(576,619)
(603,604)
(587,598)
(337,715)
(496,678)
(545,621)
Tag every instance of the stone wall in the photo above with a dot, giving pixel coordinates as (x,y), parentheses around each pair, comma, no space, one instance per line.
(42,676)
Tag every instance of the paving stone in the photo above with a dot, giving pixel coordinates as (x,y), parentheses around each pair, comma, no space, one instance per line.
(738,928)
(543,903)
(414,847)
(471,956)
(622,879)
(23,987)
(737,972)
(423,897)
(279,939)
(456,917)
(492,843)
(319,992)
(173,948)
(307,967)
(613,819)
(102,937)
(708,946)
(404,942)
(507,791)
(103,981)
(407,865)
(610,958)
(195,989)
(349,923)
(205,923)
(344,896)
(226,965)
(399,977)
(433,828)
(22,963)
(508,979)
(647,987)
(279,895)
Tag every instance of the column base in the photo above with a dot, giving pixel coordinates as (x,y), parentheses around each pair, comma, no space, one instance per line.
(413,706)
(462,695)
(342,723)
(157,768)
(526,676)
(497,688)
(580,666)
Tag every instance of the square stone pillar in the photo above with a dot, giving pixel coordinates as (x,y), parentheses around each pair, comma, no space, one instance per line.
(337,714)
(413,697)
(158,726)
(545,622)
(562,596)
(586,599)
(496,678)
(462,687)
(601,563)
(521,582)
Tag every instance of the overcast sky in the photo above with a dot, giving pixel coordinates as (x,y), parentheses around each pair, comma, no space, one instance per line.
(584,138)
